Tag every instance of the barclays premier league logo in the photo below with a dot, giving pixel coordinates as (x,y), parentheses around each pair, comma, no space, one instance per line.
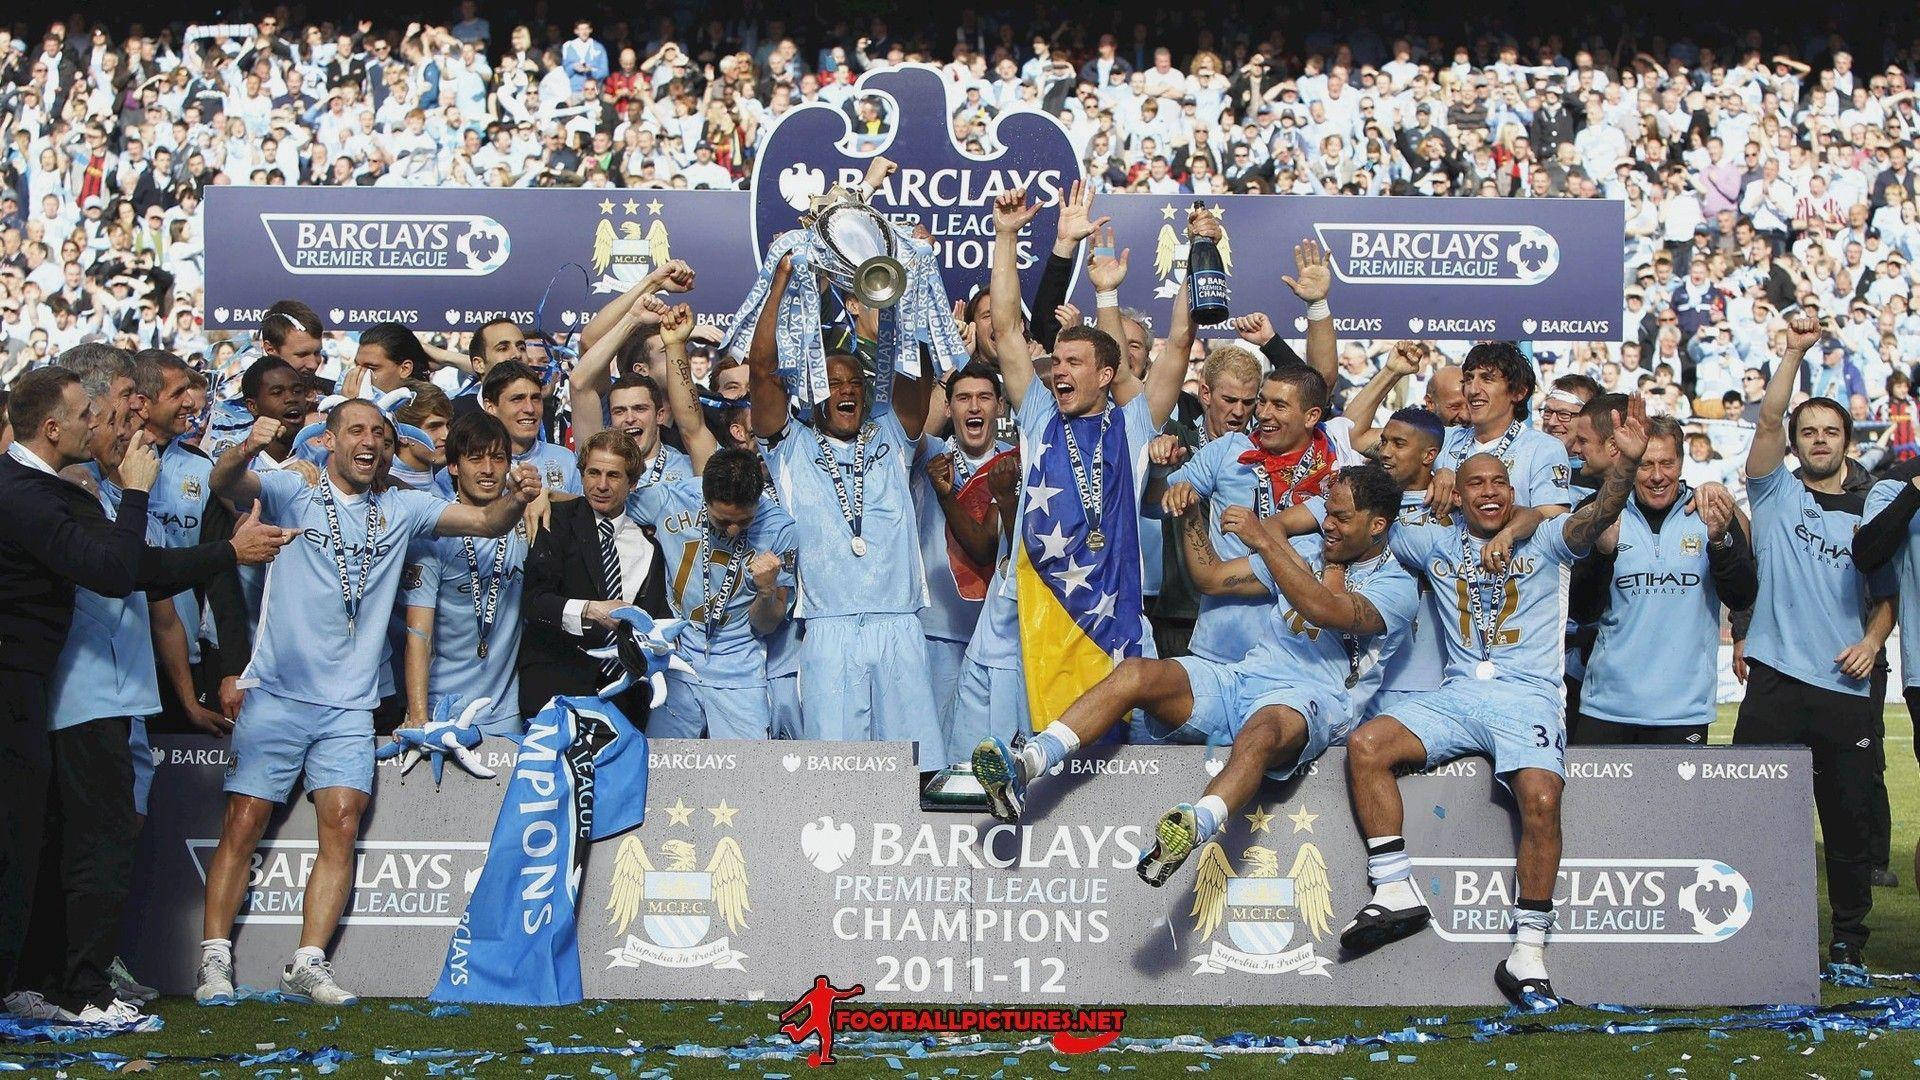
(1642,901)
(939,187)
(1388,254)
(442,245)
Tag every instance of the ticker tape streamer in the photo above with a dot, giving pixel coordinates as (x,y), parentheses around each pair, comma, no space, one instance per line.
(1868,1015)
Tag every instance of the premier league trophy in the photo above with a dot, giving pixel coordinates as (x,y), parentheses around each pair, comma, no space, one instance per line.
(847,249)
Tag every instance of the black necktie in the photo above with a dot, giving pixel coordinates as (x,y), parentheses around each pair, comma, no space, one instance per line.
(610,567)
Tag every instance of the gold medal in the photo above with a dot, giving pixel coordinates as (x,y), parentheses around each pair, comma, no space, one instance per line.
(1096,540)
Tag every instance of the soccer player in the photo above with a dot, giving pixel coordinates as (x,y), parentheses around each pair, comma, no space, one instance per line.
(1501,698)
(635,403)
(513,392)
(1818,624)
(1229,387)
(1498,382)
(1061,418)
(430,413)
(1674,558)
(177,508)
(1289,457)
(317,658)
(496,342)
(462,595)
(730,555)
(1406,447)
(290,331)
(974,402)
(391,356)
(1282,704)
(846,480)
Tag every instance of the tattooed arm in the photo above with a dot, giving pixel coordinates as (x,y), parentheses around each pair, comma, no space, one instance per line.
(1233,577)
(682,399)
(1629,442)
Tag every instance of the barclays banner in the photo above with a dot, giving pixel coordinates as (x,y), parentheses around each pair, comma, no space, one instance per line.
(1689,879)
(453,258)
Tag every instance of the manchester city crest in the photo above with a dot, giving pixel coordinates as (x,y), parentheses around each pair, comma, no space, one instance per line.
(678,899)
(1262,910)
(628,246)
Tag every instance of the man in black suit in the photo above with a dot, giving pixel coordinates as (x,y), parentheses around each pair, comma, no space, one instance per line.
(592,559)
(55,537)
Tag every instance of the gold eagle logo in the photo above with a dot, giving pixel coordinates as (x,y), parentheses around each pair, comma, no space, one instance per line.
(1167,251)
(1312,892)
(727,869)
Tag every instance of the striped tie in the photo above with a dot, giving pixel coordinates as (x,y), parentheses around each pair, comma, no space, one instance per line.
(610,567)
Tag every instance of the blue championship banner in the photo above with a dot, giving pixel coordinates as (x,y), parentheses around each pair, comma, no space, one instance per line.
(1688,879)
(453,258)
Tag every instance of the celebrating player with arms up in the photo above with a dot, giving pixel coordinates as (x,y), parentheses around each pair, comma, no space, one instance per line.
(317,658)
(846,480)
(1501,698)
(1344,603)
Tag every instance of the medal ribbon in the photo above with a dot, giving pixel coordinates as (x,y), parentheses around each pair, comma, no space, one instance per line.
(1089,481)
(714,608)
(337,543)
(1483,617)
(486,609)
(852,510)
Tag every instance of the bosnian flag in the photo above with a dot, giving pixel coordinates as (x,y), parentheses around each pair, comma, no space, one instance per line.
(1080,609)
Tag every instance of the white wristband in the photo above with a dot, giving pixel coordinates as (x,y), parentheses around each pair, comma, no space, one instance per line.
(1107,299)
(1319,310)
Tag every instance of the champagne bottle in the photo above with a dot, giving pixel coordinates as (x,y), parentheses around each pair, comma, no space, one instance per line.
(1206,279)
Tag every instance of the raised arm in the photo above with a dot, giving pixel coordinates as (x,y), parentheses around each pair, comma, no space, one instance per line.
(231,479)
(588,384)
(498,516)
(1586,524)
(1769,446)
(1323,606)
(682,399)
(1312,281)
(1106,269)
(1169,370)
(912,398)
(1364,406)
(768,394)
(1010,214)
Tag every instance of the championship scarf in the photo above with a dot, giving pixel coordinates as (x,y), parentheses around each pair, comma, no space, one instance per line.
(1314,463)
(581,776)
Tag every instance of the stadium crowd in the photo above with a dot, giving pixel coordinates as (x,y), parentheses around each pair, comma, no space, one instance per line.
(532,492)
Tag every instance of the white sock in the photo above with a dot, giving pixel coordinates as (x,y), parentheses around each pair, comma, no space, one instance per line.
(1211,811)
(1052,745)
(1397,895)
(307,954)
(217,947)
(1527,961)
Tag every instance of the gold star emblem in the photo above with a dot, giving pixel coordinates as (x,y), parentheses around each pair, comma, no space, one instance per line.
(723,814)
(606,206)
(680,813)
(1260,820)
(1166,212)
(630,206)
(654,205)
(1302,820)
(1219,211)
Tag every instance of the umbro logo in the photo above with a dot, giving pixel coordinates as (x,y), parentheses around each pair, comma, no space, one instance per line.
(1864,743)
(1623,547)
